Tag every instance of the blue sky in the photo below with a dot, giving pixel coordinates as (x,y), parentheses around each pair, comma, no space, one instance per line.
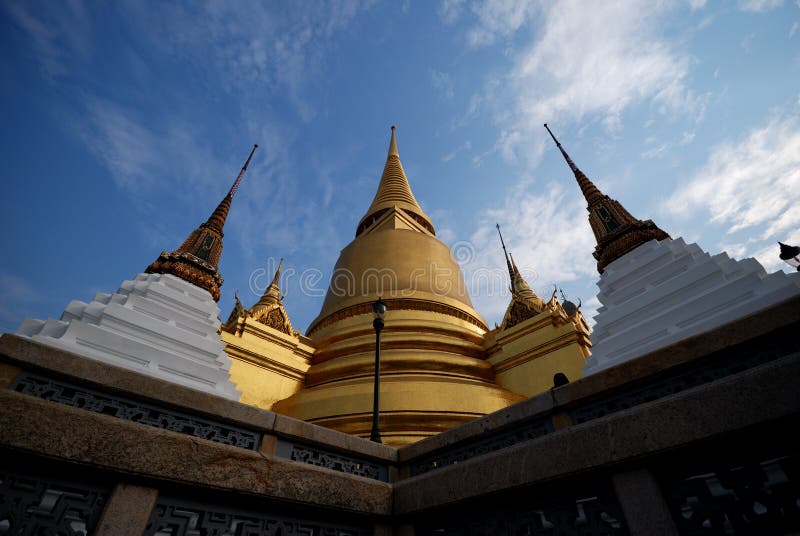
(124,124)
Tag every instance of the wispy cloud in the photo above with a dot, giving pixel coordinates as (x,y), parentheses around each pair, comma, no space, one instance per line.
(593,62)
(466,146)
(750,183)
(443,83)
(254,47)
(497,19)
(17,298)
(548,234)
(450,10)
(59,33)
(759,6)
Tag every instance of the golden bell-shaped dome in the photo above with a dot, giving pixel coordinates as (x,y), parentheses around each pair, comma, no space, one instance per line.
(434,373)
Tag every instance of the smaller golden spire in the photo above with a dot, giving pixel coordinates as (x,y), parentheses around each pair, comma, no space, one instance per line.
(523,291)
(617,232)
(524,303)
(505,252)
(269,309)
(272,295)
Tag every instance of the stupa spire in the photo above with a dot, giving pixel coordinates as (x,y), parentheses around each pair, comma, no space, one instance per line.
(272,295)
(508,261)
(590,191)
(617,232)
(220,214)
(394,191)
(197,259)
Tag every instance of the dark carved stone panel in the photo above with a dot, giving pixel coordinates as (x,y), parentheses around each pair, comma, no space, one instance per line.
(550,514)
(720,365)
(176,517)
(31,505)
(486,445)
(756,498)
(330,460)
(132,410)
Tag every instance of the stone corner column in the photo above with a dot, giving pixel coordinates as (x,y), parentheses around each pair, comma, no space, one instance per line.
(127,512)
(646,511)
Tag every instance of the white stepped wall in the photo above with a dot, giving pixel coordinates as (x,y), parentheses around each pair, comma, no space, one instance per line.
(663,292)
(157,324)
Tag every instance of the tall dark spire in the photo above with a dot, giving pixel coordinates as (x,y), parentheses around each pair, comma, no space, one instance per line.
(197,259)
(617,232)
(590,191)
(508,261)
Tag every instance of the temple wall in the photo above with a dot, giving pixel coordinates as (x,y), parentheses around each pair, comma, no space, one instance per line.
(691,438)
(266,365)
(526,356)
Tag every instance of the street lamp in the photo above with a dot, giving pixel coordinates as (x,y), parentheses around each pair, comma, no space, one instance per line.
(790,255)
(378,311)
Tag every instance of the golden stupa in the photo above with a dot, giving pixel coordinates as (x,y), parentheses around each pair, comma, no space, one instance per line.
(440,363)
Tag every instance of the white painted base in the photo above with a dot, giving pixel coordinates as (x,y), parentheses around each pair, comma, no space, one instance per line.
(663,292)
(157,324)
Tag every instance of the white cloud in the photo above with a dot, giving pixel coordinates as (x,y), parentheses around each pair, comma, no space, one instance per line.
(17,296)
(759,6)
(595,61)
(747,42)
(253,48)
(443,83)
(549,236)
(466,146)
(450,10)
(655,152)
(793,29)
(59,32)
(697,4)
(754,182)
(498,18)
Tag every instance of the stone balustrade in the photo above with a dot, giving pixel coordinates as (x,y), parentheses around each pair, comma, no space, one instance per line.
(690,439)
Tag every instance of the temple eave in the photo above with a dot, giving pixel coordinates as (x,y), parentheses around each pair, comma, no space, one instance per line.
(189,268)
(628,237)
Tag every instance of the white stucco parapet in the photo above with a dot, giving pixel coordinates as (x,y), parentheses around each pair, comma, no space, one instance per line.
(665,291)
(157,324)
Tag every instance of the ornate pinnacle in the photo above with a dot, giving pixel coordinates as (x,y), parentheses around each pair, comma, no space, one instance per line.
(197,259)
(616,230)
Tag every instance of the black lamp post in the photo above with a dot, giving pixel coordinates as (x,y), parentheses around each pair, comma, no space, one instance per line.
(790,255)
(378,311)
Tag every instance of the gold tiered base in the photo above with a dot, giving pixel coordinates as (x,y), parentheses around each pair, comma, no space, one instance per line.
(433,377)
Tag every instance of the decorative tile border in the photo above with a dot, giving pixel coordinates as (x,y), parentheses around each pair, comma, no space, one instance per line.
(31,504)
(532,430)
(135,411)
(313,455)
(178,517)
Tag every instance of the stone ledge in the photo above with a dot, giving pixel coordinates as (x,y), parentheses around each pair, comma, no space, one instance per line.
(73,435)
(305,432)
(32,356)
(658,361)
(761,394)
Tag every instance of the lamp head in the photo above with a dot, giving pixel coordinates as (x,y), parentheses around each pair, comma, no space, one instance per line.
(379,309)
